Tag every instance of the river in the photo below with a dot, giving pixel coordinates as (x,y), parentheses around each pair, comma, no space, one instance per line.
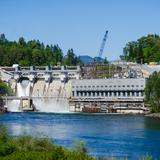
(105,135)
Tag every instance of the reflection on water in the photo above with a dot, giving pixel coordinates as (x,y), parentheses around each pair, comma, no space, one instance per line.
(152,123)
(105,135)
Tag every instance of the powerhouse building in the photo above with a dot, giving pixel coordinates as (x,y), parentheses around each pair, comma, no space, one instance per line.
(108,95)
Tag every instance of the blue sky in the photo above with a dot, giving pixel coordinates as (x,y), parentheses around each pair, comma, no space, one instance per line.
(80,24)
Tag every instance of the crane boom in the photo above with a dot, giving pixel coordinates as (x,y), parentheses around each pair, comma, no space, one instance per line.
(102,45)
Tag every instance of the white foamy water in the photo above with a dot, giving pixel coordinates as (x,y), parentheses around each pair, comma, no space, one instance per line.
(13,106)
(27,90)
(51,105)
(46,87)
(23,89)
(20,90)
(54,105)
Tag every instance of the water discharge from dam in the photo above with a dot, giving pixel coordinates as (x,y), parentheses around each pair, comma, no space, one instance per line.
(20,90)
(57,104)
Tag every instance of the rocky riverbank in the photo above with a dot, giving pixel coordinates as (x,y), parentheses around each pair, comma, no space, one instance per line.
(2,110)
(2,106)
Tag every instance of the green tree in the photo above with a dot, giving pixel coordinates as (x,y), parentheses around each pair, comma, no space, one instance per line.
(37,57)
(33,52)
(152,92)
(105,60)
(21,41)
(2,38)
(144,50)
(4,89)
(57,53)
(70,58)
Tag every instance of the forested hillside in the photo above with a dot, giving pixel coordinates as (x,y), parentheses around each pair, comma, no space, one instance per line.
(144,50)
(33,52)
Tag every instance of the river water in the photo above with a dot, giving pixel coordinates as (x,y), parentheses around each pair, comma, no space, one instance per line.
(105,135)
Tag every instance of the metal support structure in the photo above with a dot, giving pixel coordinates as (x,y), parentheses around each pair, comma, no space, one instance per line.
(102,45)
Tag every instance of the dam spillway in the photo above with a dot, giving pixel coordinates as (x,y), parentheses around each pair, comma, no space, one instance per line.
(49,88)
(47,97)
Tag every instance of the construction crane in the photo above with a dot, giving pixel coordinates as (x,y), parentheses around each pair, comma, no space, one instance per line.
(102,45)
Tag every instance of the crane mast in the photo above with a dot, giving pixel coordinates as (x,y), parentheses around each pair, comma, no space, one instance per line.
(102,45)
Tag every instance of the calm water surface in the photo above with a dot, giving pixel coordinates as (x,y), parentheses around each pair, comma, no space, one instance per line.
(105,135)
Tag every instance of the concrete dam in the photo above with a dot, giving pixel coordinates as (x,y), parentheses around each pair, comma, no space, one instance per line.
(49,88)
(47,97)
(62,89)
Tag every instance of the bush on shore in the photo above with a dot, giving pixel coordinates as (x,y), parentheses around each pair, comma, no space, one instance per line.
(28,148)
(4,89)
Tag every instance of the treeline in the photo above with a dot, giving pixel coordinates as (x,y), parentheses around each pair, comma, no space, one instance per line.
(152,92)
(34,53)
(144,50)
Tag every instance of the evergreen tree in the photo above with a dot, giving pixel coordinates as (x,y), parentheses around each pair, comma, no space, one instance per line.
(33,52)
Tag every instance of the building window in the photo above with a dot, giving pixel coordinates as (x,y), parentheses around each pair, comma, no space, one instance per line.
(78,94)
(137,94)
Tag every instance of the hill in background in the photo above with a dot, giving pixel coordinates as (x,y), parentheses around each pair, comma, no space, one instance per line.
(89,59)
